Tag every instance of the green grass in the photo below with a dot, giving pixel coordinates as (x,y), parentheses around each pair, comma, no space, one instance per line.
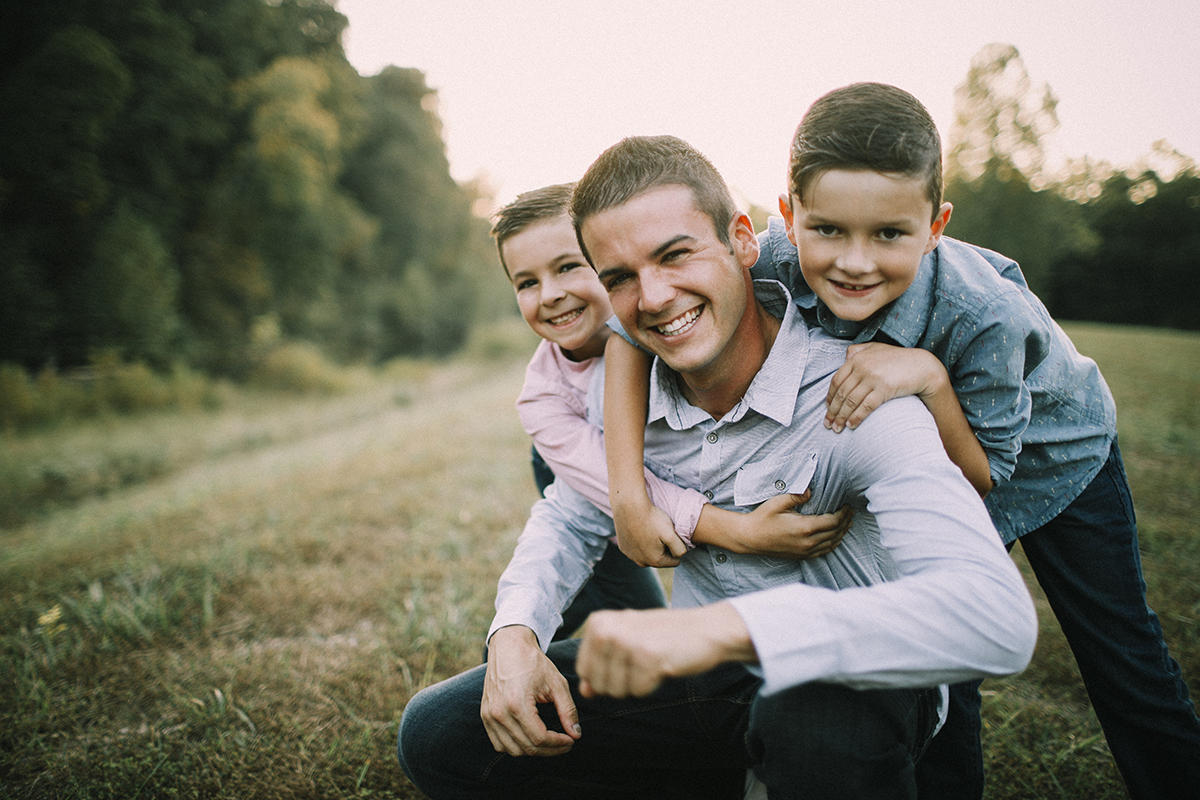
(249,619)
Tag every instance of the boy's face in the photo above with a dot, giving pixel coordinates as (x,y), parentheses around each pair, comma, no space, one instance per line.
(677,289)
(558,292)
(861,235)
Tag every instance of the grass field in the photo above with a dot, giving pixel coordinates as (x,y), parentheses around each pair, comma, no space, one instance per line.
(248,618)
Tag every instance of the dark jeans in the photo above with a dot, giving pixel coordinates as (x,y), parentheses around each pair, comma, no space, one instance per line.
(692,739)
(616,581)
(1087,562)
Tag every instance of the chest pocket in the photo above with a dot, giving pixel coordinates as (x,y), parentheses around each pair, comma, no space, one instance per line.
(763,480)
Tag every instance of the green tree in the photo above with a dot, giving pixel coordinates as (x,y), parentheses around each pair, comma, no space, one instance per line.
(996,170)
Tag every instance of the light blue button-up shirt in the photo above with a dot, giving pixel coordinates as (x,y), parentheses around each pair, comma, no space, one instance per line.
(1042,412)
(946,602)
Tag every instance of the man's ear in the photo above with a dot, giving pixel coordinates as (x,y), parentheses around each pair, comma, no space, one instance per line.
(743,240)
(785,208)
(938,227)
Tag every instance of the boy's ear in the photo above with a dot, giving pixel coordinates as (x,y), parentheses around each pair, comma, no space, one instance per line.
(785,208)
(743,240)
(938,227)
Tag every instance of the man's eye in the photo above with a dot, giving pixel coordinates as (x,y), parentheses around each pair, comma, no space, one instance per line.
(616,281)
(673,255)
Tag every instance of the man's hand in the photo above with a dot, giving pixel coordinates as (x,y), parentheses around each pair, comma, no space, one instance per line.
(646,534)
(775,529)
(519,676)
(875,373)
(629,653)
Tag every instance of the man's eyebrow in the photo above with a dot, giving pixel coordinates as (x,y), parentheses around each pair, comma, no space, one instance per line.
(604,275)
(658,252)
(667,245)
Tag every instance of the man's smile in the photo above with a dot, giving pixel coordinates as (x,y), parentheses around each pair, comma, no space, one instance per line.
(680,324)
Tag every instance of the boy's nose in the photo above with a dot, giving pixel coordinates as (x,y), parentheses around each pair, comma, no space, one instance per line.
(552,292)
(853,259)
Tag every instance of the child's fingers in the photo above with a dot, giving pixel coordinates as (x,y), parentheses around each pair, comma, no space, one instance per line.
(674,546)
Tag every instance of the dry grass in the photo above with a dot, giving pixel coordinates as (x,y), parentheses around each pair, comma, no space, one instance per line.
(251,621)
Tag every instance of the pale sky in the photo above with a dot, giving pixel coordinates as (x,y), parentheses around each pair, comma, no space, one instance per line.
(531,91)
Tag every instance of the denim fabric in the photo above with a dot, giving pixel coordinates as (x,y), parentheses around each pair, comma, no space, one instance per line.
(692,739)
(1042,411)
(616,581)
(1088,564)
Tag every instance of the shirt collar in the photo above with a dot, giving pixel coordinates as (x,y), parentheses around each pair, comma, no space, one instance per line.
(773,390)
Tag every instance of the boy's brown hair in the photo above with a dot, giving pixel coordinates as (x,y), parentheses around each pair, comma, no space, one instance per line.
(640,163)
(871,126)
(529,209)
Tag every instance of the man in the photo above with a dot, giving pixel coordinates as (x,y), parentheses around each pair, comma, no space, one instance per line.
(840,701)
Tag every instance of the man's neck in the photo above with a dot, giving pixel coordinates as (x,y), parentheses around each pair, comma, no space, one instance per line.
(719,388)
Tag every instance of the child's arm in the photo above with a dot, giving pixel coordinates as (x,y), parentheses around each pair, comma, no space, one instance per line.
(555,415)
(644,532)
(875,373)
(774,529)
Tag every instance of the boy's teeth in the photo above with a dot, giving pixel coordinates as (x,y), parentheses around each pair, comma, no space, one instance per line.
(677,325)
(565,318)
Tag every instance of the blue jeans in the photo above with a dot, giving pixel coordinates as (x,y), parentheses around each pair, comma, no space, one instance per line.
(693,739)
(616,581)
(1087,562)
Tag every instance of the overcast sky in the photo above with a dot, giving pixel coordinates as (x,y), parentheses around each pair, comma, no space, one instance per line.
(531,91)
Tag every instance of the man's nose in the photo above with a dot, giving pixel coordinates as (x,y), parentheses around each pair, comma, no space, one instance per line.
(656,293)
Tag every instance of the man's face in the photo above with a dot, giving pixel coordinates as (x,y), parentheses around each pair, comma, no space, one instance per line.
(677,289)
(861,235)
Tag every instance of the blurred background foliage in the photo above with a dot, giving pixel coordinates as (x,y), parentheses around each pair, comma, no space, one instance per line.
(194,183)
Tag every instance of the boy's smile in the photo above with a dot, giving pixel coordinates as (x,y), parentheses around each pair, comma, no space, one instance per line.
(558,293)
(861,236)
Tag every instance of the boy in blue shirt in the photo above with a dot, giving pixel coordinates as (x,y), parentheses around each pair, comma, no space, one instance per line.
(861,248)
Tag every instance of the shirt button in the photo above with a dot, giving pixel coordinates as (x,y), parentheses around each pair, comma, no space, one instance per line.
(722,558)
(708,494)
(712,438)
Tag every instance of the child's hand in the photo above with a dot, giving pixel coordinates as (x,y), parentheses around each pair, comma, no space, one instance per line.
(873,374)
(647,536)
(775,529)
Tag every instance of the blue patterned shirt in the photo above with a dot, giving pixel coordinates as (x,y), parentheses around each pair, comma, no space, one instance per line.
(1042,412)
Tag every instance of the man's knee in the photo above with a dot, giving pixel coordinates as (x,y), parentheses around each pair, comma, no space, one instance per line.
(837,741)
(438,729)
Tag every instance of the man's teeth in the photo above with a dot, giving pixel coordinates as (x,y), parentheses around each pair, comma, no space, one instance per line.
(565,318)
(680,324)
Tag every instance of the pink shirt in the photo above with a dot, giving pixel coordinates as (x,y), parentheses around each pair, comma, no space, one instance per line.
(553,409)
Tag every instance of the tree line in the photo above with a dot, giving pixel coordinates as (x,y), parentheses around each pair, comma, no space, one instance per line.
(1095,242)
(184,181)
(190,181)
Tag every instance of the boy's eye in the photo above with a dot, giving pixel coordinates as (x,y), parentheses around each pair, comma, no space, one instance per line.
(890,234)
(527,283)
(826,230)
(570,265)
